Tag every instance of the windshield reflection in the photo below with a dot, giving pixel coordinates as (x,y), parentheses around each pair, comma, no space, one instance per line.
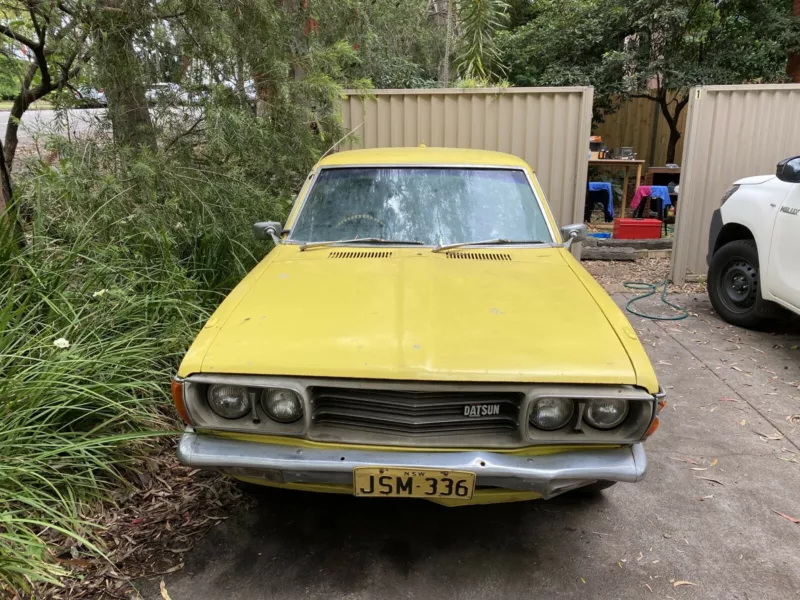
(435,206)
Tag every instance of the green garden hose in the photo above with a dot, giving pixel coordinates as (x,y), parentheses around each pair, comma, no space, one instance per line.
(651,289)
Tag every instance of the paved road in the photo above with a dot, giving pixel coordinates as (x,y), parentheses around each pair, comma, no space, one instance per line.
(728,390)
(34,121)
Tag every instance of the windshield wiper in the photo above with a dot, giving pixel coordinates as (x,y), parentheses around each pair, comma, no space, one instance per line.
(495,242)
(369,240)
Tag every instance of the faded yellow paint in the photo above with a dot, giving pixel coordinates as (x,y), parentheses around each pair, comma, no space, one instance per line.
(484,496)
(301,443)
(539,317)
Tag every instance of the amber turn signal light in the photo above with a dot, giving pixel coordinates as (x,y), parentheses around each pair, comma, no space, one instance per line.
(652,429)
(177,398)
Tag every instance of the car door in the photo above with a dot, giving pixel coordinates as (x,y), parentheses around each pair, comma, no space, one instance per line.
(784,257)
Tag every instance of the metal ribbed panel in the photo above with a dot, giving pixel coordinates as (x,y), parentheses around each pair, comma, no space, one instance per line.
(408,413)
(547,127)
(479,255)
(360,254)
(731,132)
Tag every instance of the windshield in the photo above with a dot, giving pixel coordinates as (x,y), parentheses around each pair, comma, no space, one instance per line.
(429,205)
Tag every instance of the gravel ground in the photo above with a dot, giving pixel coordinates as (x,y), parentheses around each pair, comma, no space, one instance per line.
(612,274)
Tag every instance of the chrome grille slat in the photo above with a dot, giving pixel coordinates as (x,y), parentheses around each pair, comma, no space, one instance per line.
(413,413)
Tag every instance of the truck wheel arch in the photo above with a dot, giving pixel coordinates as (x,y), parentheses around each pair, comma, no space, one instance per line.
(731,232)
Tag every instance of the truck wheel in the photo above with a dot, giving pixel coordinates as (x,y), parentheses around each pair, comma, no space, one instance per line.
(733,284)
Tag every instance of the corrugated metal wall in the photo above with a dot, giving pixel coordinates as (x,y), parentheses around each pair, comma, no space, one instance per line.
(547,127)
(640,125)
(731,132)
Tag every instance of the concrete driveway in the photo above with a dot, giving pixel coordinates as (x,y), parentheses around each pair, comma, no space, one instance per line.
(725,458)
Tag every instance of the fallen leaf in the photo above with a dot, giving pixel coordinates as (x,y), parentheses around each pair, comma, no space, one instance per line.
(177,567)
(164,593)
(742,422)
(793,347)
(793,419)
(787,517)
(583,580)
(680,583)
(620,564)
(709,479)
(713,463)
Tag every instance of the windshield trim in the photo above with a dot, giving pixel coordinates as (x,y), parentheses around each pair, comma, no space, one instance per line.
(289,240)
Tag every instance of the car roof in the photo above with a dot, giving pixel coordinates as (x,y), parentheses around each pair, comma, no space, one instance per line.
(421,156)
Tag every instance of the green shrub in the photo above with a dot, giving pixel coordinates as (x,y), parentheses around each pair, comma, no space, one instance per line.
(123,259)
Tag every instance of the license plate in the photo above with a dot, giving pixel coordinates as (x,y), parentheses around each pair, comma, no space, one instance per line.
(412,483)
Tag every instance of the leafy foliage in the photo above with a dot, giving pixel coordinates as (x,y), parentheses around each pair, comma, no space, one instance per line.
(650,47)
(479,20)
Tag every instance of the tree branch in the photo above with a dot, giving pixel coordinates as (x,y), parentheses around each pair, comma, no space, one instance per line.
(6,31)
(184,133)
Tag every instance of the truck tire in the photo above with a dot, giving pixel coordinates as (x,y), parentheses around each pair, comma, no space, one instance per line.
(734,285)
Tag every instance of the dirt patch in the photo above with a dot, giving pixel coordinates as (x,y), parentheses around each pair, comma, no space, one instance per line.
(612,274)
(146,529)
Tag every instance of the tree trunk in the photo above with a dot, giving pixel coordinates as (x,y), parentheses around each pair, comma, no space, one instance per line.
(11,233)
(5,185)
(123,80)
(672,119)
(21,103)
(12,129)
(674,137)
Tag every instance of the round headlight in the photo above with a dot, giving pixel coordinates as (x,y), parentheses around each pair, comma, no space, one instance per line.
(551,413)
(228,401)
(605,414)
(283,406)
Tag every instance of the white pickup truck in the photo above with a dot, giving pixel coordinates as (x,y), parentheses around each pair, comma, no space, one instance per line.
(754,248)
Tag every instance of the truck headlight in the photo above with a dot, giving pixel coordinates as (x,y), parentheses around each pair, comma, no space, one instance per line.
(551,413)
(283,406)
(228,401)
(605,413)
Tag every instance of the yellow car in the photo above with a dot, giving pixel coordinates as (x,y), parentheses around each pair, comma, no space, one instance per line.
(420,329)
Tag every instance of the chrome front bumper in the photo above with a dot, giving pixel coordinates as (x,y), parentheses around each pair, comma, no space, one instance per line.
(548,475)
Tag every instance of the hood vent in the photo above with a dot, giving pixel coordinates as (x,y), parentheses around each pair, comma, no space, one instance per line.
(479,255)
(361,254)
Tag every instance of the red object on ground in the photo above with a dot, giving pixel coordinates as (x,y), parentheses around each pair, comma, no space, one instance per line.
(637,229)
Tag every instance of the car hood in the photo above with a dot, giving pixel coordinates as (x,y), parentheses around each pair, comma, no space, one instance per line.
(754,180)
(518,315)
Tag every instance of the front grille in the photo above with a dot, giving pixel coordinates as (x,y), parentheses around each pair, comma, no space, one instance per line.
(415,414)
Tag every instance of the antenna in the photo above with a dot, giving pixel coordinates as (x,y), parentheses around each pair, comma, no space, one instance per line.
(328,151)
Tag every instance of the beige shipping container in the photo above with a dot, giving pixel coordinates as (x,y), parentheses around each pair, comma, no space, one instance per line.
(732,131)
(547,127)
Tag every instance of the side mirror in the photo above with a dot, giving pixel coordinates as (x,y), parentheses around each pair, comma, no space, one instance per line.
(572,234)
(268,229)
(789,170)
